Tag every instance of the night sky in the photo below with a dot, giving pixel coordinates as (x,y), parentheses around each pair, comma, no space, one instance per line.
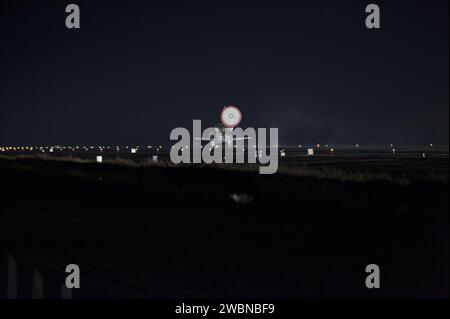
(137,69)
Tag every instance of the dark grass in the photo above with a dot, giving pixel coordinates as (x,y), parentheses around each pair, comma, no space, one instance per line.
(159,231)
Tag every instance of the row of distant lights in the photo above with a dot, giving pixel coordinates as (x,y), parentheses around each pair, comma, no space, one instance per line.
(356,145)
(51,149)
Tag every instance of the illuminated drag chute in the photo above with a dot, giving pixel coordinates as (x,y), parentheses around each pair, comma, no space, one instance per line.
(231,116)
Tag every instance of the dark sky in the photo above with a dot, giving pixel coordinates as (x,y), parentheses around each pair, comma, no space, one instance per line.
(137,69)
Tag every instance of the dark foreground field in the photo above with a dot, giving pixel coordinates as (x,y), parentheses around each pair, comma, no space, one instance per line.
(176,232)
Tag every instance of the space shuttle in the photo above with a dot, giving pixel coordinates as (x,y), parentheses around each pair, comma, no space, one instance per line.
(230,118)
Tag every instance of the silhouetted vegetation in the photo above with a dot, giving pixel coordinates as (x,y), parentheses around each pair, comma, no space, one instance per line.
(159,230)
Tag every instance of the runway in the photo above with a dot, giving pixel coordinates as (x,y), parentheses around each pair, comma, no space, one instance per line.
(309,153)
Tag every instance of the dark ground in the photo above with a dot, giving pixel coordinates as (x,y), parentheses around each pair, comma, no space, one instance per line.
(174,232)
